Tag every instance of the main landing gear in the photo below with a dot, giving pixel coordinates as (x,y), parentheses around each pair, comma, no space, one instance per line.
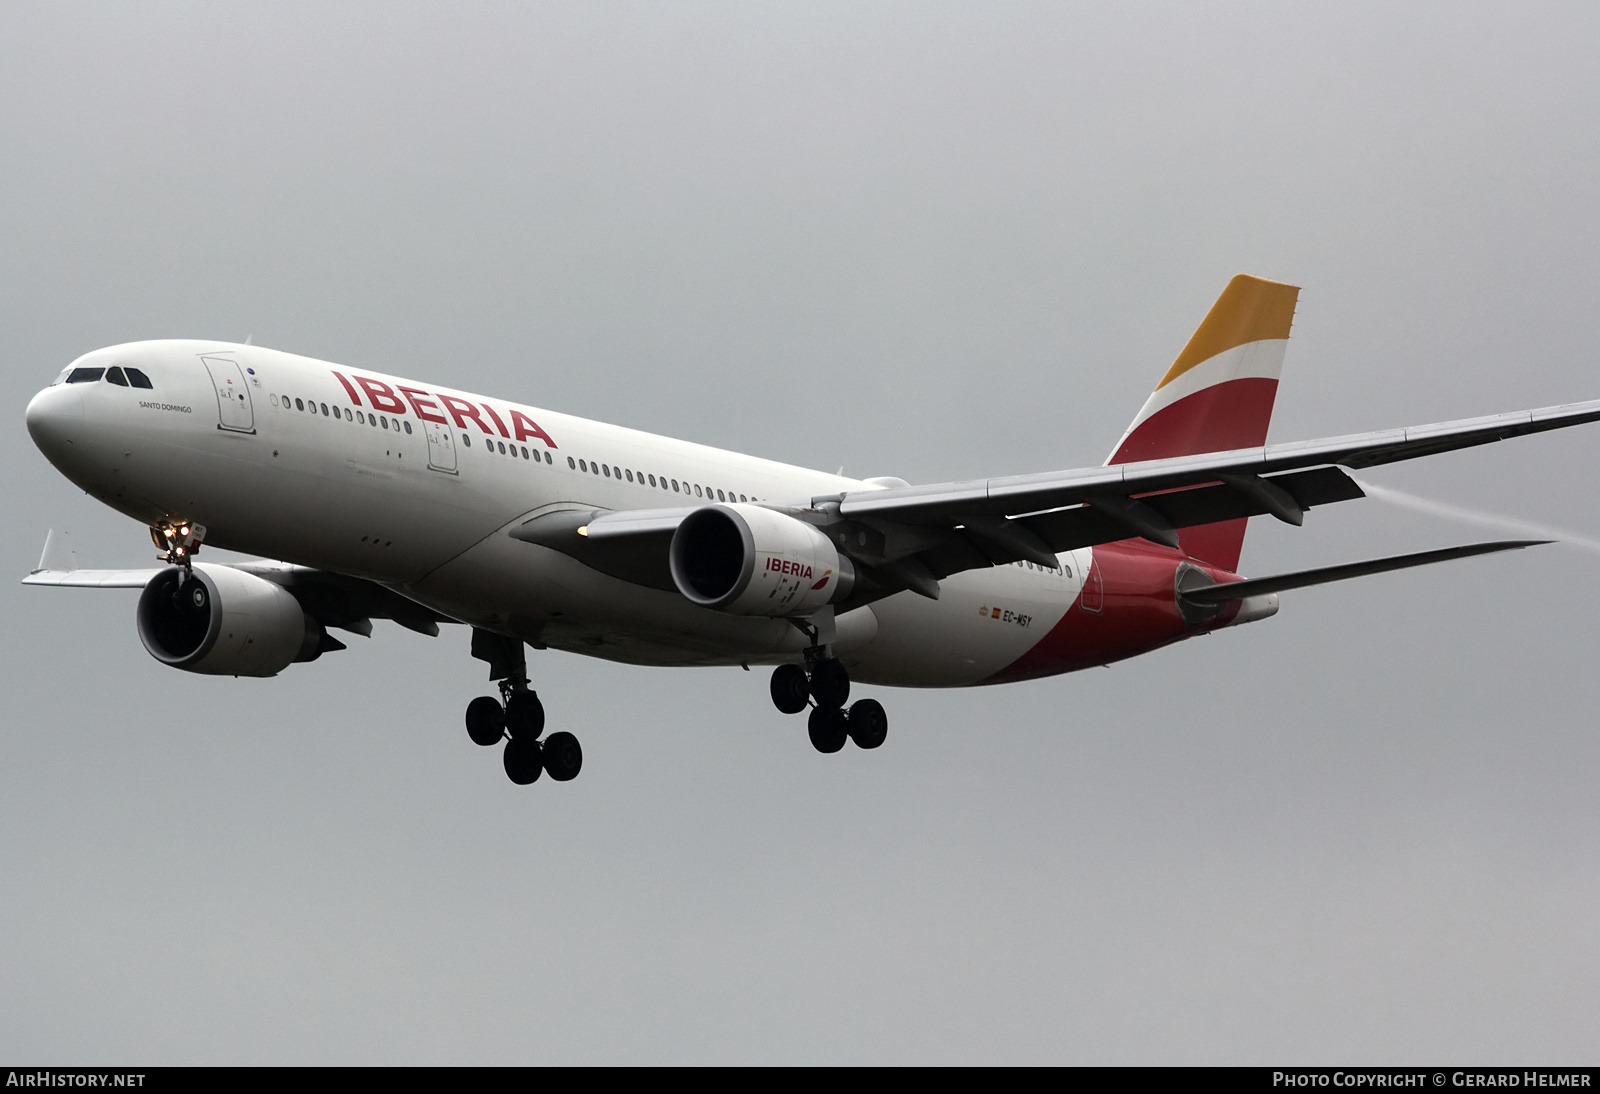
(826,688)
(517,717)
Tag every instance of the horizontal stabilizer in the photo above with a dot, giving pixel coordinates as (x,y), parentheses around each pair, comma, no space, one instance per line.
(1238,590)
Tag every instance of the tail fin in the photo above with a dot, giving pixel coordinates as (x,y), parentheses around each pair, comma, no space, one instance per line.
(1218,395)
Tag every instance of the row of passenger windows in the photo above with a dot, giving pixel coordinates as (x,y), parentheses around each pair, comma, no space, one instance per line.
(382,420)
(491,444)
(664,483)
(117,374)
(312,406)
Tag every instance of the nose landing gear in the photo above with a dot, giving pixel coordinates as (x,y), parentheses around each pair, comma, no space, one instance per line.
(178,541)
(517,717)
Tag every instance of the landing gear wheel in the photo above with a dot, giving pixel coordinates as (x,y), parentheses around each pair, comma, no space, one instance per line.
(486,721)
(523,760)
(524,714)
(789,689)
(869,725)
(830,684)
(563,756)
(829,728)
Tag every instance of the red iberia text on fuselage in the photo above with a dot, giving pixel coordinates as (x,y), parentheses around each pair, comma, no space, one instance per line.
(425,405)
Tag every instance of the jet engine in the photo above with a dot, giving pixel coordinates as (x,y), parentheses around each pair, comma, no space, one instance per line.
(748,560)
(224,622)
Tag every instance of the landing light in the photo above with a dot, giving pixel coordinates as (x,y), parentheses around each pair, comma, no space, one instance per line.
(584,530)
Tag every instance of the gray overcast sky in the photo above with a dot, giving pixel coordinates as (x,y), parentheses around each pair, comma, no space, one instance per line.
(927,240)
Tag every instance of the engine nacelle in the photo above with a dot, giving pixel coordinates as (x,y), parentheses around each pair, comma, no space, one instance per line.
(748,560)
(224,622)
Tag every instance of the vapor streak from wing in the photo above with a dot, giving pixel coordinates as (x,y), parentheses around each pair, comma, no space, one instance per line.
(1476,516)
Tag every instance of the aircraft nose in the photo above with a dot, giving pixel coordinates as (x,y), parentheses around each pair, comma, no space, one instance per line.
(55,421)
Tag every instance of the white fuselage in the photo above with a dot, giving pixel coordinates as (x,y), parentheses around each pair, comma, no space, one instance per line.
(415,486)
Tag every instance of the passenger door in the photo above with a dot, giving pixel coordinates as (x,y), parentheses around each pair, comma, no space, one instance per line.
(233,395)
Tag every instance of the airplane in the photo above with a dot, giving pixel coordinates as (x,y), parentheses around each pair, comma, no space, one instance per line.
(370,496)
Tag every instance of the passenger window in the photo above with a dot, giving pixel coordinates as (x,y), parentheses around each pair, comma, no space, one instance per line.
(324,409)
(652,480)
(743,498)
(570,464)
(299,404)
(114,376)
(594,469)
(347,416)
(85,375)
(408,428)
(466,441)
(524,450)
(674,486)
(583,465)
(720,496)
(547,458)
(372,419)
(628,474)
(385,421)
(607,469)
(361,418)
(697,491)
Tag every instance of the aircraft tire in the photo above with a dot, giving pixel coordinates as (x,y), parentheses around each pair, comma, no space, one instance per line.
(869,725)
(486,721)
(525,715)
(829,729)
(524,761)
(563,756)
(790,691)
(830,684)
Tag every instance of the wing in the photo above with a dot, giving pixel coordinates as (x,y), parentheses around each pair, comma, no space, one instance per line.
(910,537)
(993,521)
(349,603)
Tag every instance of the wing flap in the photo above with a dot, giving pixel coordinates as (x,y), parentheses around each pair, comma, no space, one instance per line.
(1086,526)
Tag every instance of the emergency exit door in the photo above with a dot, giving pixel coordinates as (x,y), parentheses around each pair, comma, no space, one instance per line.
(441,448)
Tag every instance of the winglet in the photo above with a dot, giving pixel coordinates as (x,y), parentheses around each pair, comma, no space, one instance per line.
(58,553)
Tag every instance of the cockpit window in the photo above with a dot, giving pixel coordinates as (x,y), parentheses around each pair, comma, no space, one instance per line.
(114,376)
(85,375)
(138,379)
